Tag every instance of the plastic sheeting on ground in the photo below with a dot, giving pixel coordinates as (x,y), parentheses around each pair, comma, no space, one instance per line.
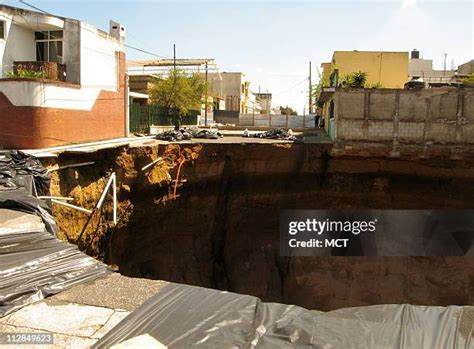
(22,179)
(34,264)
(20,170)
(182,316)
(21,200)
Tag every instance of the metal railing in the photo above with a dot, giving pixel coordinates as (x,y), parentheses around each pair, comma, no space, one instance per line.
(35,69)
(142,116)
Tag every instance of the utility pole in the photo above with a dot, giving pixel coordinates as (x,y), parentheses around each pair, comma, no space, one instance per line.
(310,87)
(176,122)
(444,64)
(205,101)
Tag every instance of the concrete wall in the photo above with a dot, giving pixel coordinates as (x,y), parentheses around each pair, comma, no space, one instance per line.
(466,68)
(72,50)
(276,121)
(428,116)
(19,44)
(99,59)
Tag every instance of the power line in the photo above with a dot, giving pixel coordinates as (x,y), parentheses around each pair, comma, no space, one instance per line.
(292,87)
(126,45)
(144,51)
(34,7)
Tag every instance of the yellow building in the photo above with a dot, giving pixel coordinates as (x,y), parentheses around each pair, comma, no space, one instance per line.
(384,70)
(387,69)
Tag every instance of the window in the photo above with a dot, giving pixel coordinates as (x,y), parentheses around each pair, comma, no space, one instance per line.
(49,46)
(2,30)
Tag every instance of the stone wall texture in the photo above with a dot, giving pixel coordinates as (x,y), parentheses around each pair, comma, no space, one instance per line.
(434,116)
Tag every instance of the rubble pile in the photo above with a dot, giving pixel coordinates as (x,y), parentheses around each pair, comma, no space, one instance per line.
(188,133)
(277,133)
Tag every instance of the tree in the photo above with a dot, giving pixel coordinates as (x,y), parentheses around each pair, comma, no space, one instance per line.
(287,111)
(178,93)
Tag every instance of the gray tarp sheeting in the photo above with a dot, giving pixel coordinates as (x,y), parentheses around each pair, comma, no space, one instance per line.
(182,316)
(33,263)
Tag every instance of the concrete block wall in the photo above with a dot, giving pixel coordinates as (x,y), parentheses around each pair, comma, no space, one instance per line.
(434,116)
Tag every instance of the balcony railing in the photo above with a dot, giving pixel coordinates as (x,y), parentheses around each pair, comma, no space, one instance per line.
(45,70)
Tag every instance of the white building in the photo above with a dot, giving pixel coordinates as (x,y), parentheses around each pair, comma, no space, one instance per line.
(50,64)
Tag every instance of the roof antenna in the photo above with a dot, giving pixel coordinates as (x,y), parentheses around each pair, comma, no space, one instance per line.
(34,7)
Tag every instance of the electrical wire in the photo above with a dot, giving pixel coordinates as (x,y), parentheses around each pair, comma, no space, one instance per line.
(290,88)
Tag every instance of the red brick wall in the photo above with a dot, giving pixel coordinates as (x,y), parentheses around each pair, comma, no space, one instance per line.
(32,127)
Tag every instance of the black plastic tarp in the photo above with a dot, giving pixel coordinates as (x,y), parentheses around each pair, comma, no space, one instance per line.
(181,316)
(17,168)
(33,262)
(22,179)
(20,199)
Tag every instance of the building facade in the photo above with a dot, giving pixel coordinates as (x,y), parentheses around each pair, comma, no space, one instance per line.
(238,96)
(62,81)
(385,69)
(466,69)
(419,68)
(264,100)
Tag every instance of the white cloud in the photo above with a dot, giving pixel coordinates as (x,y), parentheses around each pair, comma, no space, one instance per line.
(408,3)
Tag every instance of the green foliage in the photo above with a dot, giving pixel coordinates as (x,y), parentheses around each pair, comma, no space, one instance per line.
(178,92)
(469,80)
(28,74)
(355,80)
(287,111)
(346,80)
(317,89)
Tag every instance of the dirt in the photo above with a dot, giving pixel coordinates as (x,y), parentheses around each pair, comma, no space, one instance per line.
(216,222)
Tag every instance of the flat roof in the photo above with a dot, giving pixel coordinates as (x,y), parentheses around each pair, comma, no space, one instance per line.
(170,62)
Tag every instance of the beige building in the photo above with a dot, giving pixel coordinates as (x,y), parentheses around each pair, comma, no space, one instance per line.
(423,68)
(466,68)
(236,89)
(264,100)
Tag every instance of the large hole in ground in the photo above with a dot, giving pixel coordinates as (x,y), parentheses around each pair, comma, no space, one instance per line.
(221,229)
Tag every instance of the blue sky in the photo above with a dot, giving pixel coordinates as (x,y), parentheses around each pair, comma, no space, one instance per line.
(273,41)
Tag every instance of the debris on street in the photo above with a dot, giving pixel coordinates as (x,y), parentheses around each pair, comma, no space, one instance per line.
(188,133)
(277,133)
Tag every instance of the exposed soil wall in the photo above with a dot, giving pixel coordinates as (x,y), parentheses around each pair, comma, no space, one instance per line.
(221,228)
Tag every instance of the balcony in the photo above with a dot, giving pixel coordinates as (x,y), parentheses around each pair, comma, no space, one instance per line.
(40,70)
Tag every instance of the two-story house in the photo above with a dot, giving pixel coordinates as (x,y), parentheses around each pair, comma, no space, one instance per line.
(62,81)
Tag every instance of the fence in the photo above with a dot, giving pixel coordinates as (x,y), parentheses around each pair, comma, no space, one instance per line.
(284,121)
(437,115)
(143,116)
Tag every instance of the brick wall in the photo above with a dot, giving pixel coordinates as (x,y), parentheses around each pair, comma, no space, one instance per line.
(428,116)
(33,127)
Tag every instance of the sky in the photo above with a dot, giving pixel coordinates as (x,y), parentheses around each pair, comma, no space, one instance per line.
(272,42)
